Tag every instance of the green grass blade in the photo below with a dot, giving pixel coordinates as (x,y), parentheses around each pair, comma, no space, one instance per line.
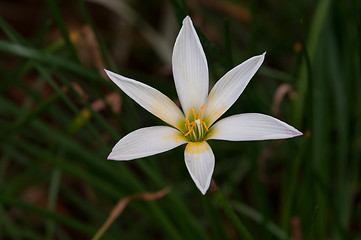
(34,54)
(54,10)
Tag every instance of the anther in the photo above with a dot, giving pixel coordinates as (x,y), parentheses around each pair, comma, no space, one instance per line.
(200,110)
(197,122)
(192,124)
(205,125)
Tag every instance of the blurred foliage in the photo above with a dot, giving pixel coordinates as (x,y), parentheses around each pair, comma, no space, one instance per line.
(60,116)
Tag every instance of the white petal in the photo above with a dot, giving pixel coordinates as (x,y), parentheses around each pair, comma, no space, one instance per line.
(149,98)
(228,89)
(146,142)
(251,126)
(199,160)
(190,68)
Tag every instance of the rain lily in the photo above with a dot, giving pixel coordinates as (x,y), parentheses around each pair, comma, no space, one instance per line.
(197,123)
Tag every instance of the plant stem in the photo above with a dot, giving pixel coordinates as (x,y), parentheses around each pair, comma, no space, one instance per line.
(240,227)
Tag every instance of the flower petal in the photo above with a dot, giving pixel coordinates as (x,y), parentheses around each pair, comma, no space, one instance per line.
(228,89)
(190,68)
(199,160)
(251,126)
(146,142)
(149,98)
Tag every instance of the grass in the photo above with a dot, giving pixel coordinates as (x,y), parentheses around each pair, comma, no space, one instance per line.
(58,122)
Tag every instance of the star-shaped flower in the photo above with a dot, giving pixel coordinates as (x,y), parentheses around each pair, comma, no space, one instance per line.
(197,123)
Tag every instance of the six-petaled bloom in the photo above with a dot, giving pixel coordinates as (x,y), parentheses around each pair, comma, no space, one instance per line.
(197,123)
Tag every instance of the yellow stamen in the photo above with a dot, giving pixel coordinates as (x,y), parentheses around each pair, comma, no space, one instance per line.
(205,125)
(192,110)
(199,114)
(192,124)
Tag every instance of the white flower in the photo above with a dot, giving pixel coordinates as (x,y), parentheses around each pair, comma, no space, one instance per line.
(197,123)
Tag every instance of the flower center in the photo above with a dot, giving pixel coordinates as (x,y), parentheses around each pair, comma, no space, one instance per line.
(197,128)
